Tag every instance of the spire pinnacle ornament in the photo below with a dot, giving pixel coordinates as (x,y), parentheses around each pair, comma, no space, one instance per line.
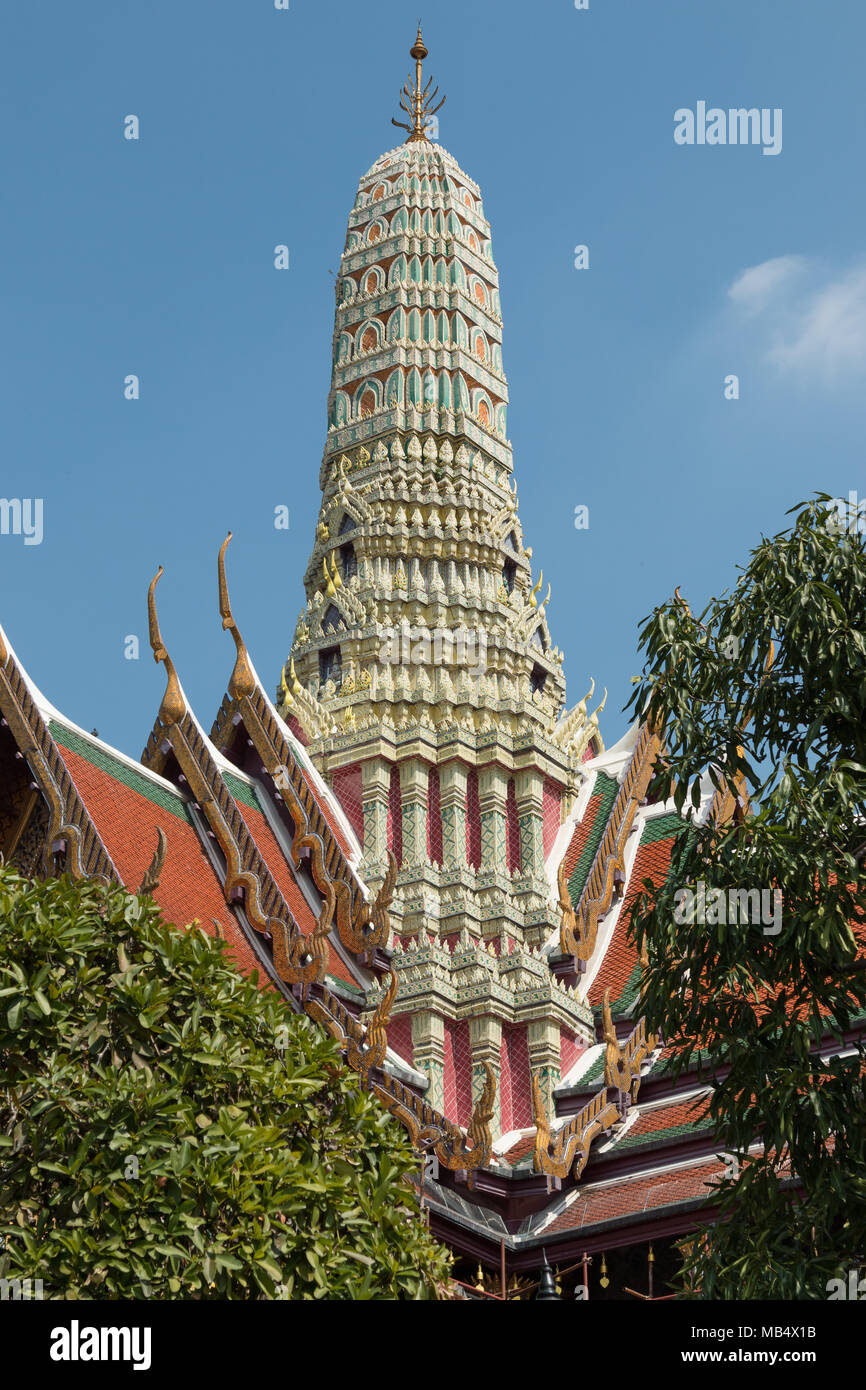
(415,100)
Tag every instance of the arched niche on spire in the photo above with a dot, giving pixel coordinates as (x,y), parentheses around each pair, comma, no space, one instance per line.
(367,399)
(478,292)
(394,389)
(482,409)
(373,280)
(333,621)
(511,540)
(368,337)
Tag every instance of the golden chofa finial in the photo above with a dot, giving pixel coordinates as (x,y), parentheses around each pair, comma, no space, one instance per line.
(285,692)
(242,681)
(173,706)
(417,101)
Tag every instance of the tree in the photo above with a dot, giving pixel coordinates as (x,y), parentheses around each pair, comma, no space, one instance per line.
(169,1130)
(767,690)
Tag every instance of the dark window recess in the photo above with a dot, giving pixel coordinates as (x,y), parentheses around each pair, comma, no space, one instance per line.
(511,541)
(347,524)
(509,574)
(330,666)
(536,680)
(537,640)
(333,619)
(348,561)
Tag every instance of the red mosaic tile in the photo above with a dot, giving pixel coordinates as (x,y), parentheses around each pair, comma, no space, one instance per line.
(651,861)
(551,811)
(188,888)
(630,1196)
(434,818)
(395,816)
(349,791)
(473,821)
(512,830)
(400,1037)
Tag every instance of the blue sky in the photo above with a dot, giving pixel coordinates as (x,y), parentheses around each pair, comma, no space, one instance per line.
(155,257)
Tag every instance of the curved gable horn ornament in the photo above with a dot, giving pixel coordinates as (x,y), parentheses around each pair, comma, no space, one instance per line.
(242,681)
(373,926)
(150,882)
(173,706)
(568,1151)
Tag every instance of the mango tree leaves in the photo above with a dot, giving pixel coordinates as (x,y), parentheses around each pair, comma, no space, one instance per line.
(169,1130)
(765,691)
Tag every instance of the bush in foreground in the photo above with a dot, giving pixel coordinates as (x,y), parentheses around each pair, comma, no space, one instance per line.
(168,1130)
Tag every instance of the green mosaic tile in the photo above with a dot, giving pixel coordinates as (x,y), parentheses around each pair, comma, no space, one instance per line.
(661,828)
(118,770)
(606,789)
(241,791)
(674,1132)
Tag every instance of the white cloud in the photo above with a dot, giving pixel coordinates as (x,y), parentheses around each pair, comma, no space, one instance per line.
(831,333)
(756,286)
(803,318)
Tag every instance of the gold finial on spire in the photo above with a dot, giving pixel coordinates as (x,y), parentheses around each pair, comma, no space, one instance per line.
(242,681)
(173,706)
(416,100)
(285,692)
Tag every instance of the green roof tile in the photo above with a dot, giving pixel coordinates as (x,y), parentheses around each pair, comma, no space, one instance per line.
(120,771)
(606,789)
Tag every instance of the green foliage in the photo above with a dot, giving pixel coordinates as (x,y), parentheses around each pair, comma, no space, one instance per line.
(168,1130)
(738,996)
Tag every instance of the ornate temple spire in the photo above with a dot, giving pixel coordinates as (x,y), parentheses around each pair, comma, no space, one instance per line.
(422,675)
(416,100)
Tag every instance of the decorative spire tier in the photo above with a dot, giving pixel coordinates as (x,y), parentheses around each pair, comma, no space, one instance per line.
(422,673)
